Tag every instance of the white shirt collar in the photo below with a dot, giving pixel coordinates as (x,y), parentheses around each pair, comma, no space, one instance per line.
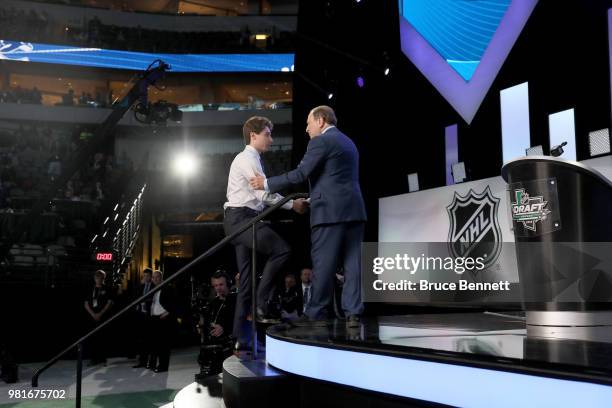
(326,129)
(251,149)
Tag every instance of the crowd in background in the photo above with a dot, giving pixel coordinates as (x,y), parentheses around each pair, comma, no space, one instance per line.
(95,33)
(32,157)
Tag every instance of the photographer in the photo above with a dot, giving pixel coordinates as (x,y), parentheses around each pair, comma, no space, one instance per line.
(215,327)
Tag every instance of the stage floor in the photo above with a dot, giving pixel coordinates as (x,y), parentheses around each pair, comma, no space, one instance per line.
(488,341)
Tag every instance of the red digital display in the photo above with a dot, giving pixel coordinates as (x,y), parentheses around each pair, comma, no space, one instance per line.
(104,256)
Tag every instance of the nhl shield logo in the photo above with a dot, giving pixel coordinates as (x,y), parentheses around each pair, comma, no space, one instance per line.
(474,228)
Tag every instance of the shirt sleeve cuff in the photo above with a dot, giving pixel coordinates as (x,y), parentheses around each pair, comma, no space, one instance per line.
(266,185)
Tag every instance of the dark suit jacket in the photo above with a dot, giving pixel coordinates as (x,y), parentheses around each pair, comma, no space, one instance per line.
(331,163)
(148,301)
(167,299)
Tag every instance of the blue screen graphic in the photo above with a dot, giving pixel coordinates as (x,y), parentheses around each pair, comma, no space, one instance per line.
(97,57)
(459,30)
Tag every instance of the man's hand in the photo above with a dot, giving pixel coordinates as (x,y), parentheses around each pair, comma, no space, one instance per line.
(217,330)
(300,205)
(257,182)
(97,316)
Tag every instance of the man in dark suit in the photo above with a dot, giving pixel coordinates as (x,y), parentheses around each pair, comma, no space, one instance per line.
(163,318)
(331,164)
(305,289)
(142,319)
(97,304)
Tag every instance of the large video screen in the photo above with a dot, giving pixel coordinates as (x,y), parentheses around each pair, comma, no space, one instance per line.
(101,58)
(459,30)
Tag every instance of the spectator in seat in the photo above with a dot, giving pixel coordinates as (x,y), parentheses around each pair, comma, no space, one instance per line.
(290,299)
(305,291)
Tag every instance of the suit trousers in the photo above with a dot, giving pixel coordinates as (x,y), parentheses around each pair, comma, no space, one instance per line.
(142,336)
(270,244)
(335,245)
(161,341)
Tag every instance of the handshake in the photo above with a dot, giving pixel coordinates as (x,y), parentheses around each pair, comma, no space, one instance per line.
(300,205)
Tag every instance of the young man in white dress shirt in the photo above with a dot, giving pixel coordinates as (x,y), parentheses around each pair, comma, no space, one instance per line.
(243,204)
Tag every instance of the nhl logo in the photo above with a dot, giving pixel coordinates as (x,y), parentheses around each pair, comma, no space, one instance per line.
(474,228)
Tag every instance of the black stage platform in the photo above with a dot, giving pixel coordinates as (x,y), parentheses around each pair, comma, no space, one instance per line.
(468,359)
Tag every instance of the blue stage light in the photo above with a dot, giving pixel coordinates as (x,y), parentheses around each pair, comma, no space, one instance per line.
(444,383)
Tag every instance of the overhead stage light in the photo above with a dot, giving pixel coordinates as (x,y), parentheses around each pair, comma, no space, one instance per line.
(185,165)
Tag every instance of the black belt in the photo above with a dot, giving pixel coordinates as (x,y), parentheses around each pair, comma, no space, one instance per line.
(243,209)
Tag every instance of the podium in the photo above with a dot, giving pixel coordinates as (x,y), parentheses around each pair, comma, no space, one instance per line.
(562,222)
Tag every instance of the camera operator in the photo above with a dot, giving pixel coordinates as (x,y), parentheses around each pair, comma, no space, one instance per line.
(215,327)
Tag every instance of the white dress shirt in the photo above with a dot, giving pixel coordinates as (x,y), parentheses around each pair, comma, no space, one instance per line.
(156,308)
(239,191)
(305,300)
(327,128)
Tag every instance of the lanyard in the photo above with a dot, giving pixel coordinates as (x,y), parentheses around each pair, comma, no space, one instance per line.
(219,311)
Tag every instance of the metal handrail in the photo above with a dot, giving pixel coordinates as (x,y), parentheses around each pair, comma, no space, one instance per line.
(159,287)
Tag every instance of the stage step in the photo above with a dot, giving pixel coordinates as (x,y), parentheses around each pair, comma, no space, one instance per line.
(247,382)
(205,395)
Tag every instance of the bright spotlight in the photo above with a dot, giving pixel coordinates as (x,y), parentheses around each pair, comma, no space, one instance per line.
(387,71)
(185,165)
(330,96)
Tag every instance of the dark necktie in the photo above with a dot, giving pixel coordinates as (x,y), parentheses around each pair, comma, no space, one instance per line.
(306,297)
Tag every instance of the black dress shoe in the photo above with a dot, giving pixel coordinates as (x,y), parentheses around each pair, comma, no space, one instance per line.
(160,370)
(266,317)
(353,321)
(240,346)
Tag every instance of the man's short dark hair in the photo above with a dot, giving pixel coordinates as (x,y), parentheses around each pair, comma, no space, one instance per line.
(221,274)
(326,113)
(255,124)
(100,273)
(147,270)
